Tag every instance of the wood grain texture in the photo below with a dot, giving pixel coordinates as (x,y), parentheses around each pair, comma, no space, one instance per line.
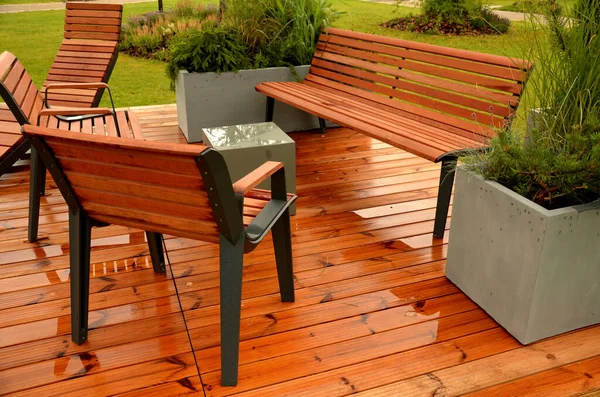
(374,314)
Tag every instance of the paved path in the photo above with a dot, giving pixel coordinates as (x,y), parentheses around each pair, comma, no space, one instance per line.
(510,15)
(9,8)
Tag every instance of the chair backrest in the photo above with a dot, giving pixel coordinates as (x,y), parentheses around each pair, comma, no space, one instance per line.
(156,187)
(18,90)
(88,52)
(464,89)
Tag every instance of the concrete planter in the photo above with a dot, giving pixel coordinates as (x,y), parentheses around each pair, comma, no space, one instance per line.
(535,271)
(214,100)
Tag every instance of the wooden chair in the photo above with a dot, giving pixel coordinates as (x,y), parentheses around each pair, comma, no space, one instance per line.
(87,54)
(182,190)
(27,106)
(79,73)
(435,102)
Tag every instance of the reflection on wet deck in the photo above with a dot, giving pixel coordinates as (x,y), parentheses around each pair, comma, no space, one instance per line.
(374,314)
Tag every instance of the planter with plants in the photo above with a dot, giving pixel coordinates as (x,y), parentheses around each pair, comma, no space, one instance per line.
(214,69)
(525,235)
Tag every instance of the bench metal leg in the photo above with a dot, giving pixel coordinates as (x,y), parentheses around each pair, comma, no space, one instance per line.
(80,237)
(270,109)
(156,251)
(444,194)
(282,242)
(35,180)
(232,259)
(322,125)
(7,165)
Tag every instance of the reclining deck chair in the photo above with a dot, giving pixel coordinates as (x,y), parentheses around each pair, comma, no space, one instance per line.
(87,55)
(27,107)
(182,190)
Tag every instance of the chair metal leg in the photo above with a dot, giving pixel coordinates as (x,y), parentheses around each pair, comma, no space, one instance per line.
(80,235)
(444,194)
(322,125)
(35,171)
(42,178)
(270,109)
(282,242)
(156,251)
(232,259)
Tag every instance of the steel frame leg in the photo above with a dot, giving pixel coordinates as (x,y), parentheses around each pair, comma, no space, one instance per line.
(322,125)
(156,251)
(36,179)
(232,260)
(270,109)
(80,238)
(444,194)
(282,242)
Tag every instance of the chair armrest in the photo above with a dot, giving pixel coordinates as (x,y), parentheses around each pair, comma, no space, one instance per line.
(256,177)
(63,111)
(63,86)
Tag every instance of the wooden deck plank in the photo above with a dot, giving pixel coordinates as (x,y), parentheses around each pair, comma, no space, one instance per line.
(373,315)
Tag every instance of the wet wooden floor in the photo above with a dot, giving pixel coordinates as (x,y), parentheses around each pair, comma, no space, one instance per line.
(374,314)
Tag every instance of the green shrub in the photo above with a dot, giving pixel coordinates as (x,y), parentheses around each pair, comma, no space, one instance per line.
(452,11)
(148,35)
(212,49)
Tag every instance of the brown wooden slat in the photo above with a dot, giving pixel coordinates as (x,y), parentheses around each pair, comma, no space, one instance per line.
(438,88)
(13,77)
(82,60)
(436,49)
(92,28)
(90,35)
(6,60)
(70,20)
(432,70)
(70,66)
(124,125)
(75,72)
(93,6)
(76,54)
(81,13)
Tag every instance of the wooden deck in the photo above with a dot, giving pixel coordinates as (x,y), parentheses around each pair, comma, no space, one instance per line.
(374,314)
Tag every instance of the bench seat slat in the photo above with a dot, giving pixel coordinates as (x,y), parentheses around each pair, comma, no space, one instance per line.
(445,141)
(437,139)
(439,120)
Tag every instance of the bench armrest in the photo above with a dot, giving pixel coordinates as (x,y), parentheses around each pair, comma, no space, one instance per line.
(256,177)
(64,111)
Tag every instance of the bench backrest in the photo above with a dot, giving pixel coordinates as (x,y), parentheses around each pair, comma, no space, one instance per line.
(151,186)
(88,52)
(454,89)
(18,90)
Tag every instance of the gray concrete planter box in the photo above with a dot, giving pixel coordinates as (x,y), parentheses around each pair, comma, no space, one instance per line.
(535,271)
(213,100)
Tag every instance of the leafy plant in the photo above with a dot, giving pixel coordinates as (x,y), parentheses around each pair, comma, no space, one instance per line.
(212,49)
(557,163)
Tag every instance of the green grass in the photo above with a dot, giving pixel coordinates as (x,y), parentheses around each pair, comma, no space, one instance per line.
(35,37)
(526,6)
(5,2)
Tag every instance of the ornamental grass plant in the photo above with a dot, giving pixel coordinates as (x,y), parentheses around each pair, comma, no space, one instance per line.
(557,162)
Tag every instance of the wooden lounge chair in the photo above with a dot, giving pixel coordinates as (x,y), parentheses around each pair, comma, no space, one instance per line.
(27,106)
(87,54)
(182,190)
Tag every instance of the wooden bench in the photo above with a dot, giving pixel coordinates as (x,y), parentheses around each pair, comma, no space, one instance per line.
(182,190)
(87,54)
(432,101)
(26,106)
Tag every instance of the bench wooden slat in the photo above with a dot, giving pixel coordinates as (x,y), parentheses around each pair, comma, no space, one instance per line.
(445,140)
(91,35)
(92,28)
(74,66)
(94,6)
(92,13)
(436,49)
(77,54)
(79,20)
(439,88)
(75,72)
(82,60)
(437,139)
(429,96)
(430,70)
(6,60)
(13,77)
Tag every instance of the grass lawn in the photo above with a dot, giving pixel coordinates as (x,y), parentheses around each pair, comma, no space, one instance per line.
(35,37)
(526,5)
(4,2)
